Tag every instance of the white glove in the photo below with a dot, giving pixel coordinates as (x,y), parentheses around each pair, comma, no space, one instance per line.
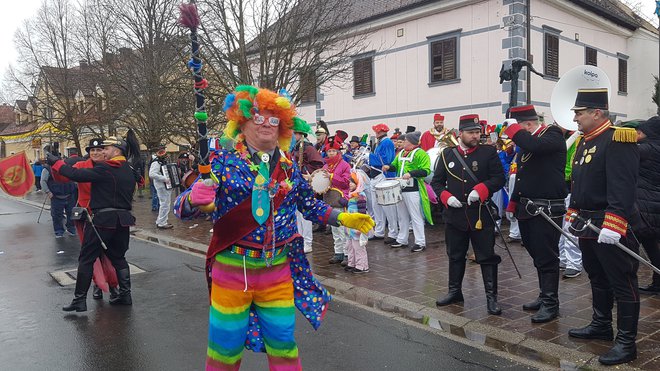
(608,236)
(454,202)
(473,197)
(509,215)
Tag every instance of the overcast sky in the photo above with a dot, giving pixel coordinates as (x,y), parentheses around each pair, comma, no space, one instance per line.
(14,12)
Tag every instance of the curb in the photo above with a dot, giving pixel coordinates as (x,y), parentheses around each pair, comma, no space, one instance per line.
(22,200)
(505,342)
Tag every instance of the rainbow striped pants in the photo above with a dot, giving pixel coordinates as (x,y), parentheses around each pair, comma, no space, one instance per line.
(241,282)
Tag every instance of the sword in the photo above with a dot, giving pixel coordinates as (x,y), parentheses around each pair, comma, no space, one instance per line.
(587,224)
(545,216)
(91,222)
(506,246)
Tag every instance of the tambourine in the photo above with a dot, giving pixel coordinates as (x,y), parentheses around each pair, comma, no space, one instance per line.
(320,181)
(189,178)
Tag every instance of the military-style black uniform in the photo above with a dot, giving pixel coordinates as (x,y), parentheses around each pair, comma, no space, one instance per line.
(461,225)
(113,184)
(540,183)
(604,182)
(603,189)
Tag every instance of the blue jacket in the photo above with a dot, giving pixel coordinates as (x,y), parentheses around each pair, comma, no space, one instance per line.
(383,154)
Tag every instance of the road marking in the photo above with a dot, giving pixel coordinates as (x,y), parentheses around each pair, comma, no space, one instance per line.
(68,277)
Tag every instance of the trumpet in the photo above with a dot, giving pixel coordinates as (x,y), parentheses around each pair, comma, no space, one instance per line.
(361,157)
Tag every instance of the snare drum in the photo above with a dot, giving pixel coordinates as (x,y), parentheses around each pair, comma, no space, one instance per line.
(388,192)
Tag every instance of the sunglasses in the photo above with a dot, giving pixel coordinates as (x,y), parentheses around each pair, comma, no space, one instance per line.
(272,121)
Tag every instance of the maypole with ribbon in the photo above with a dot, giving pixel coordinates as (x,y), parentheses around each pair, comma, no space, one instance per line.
(189,18)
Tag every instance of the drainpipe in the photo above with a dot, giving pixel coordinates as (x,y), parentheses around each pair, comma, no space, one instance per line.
(529,52)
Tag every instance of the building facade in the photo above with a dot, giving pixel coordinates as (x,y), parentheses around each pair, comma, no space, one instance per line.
(446,56)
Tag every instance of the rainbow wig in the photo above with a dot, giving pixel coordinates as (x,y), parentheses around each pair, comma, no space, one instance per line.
(241,105)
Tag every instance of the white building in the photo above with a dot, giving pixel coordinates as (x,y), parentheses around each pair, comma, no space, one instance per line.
(425,57)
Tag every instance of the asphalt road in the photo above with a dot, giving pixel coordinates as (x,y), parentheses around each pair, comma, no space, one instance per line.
(166,327)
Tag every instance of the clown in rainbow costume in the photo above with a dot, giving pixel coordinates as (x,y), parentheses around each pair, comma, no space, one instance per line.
(256,266)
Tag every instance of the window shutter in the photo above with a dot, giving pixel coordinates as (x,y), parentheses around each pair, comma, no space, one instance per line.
(623,75)
(551,55)
(362,76)
(591,56)
(443,60)
(449,59)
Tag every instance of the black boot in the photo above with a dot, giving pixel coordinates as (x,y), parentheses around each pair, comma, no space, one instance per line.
(536,304)
(98,293)
(454,295)
(601,320)
(489,273)
(114,293)
(79,303)
(653,288)
(124,278)
(624,349)
(549,297)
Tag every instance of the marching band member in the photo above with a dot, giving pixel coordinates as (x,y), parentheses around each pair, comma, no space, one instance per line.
(412,164)
(340,174)
(382,154)
(604,183)
(431,137)
(321,137)
(113,184)
(570,256)
(539,184)
(164,194)
(103,272)
(308,160)
(466,214)
(356,245)
(255,263)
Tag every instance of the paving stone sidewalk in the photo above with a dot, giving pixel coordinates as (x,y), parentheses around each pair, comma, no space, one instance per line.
(409,283)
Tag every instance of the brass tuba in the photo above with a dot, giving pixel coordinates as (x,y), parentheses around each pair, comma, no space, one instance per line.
(447,140)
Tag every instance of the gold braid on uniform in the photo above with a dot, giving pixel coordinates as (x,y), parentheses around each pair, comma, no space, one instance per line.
(624,135)
(444,162)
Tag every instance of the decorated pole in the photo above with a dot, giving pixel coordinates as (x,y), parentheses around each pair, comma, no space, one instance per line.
(190,19)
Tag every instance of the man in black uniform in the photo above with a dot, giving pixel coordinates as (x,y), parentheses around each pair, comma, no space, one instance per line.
(113,183)
(467,215)
(539,183)
(603,185)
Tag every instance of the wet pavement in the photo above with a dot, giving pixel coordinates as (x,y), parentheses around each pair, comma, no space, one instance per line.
(166,327)
(420,278)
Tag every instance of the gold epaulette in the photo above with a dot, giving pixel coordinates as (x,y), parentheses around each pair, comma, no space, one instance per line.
(624,135)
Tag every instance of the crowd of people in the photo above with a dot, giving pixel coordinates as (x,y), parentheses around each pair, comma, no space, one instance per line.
(570,203)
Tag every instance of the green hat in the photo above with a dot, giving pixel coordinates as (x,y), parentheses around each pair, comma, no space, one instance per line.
(631,124)
(301,126)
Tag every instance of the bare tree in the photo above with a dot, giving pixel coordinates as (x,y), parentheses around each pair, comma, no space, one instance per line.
(299,45)
(46,74)
(150,72)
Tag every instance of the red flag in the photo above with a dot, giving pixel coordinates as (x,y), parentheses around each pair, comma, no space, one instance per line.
(16,176)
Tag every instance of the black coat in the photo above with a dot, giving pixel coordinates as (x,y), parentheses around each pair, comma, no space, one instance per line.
(113,184)
(541,164)
(604,181)
(648,186)
(450,177)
